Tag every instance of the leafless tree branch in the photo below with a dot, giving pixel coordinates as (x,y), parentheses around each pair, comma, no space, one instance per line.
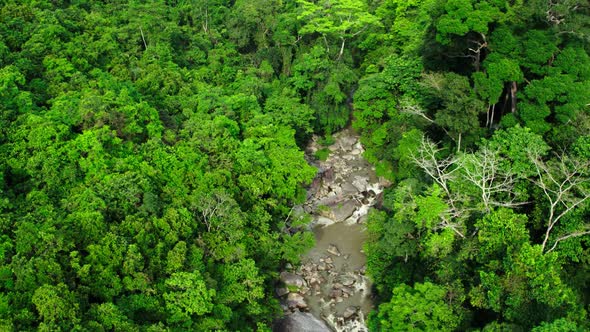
(562,185)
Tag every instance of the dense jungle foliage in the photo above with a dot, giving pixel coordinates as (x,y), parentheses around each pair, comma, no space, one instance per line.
(151,151)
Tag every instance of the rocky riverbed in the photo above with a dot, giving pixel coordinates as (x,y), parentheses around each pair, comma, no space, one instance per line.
(330,283)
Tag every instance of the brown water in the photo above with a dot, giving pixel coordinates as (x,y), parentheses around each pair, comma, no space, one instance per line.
(349,240)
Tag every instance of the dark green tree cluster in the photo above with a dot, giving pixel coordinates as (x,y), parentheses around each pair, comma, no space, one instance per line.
(479,111)
(150,154)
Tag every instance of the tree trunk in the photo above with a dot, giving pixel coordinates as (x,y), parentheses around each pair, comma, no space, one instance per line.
(513,90)
(341,49)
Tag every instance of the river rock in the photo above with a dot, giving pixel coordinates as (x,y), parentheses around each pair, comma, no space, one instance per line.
(281,291)
(360,183)
(313,281)
(348,188)
(335,293)
(333,148)
(323,221)
(291,279)
(301,321)
(296,300)
(349,312)
(344,210)
(348,281)
(332,249)
(347,143)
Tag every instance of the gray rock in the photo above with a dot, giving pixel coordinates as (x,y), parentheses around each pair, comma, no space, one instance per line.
(347,143)
(332,249)
(296,300)
(360,183)
(333,147)
(291,279)
(323,221)
(349,188)
(335,293)
(301,322)
(348,281)
(343,210)
(349,312)
(282,291)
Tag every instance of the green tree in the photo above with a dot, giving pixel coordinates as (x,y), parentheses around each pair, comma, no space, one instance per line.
(424,307)
(187,295)
(341,20)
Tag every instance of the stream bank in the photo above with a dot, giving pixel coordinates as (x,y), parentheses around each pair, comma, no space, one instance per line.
(330,283)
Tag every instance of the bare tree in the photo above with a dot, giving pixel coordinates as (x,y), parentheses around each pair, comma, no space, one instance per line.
(442,171)
(212,206)
(479,46)
(475,52)
(563,184)
(483,169)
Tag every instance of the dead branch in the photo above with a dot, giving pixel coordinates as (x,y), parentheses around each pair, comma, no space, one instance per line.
(562,185)
(483,170)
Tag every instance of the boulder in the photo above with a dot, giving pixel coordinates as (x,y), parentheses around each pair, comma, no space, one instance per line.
(313,281)
(282,291)
(348,142)
(349,188)
(332,249)
(360,183)
(349,312)
(291,279)
(348,281)
(343,210)
(323,221)
(296,300)
(301,322)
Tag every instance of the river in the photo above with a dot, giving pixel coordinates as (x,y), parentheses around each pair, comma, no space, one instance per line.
(330,283)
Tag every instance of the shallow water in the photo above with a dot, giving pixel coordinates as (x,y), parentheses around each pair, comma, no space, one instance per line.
(349,239)
(350,180)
